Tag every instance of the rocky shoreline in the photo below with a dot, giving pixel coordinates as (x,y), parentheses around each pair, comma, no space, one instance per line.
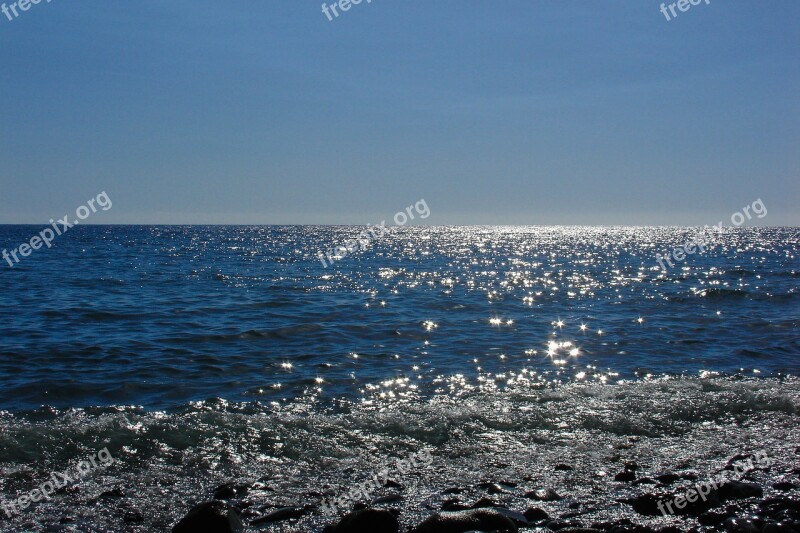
(769,505)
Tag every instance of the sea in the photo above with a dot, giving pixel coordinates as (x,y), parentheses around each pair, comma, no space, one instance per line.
(209,356)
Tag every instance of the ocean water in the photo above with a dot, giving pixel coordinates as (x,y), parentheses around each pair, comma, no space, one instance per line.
(203,355)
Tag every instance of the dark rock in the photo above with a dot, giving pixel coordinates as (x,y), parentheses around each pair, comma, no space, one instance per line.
(463,521)
(645,481)
(561,467)
(368,521)
(737,490)
(627,475)
(646,504)
(667,479)
(388,498)
(543,495)
(784,486)
(210,517)
(711,518)
(740,525)
(519,519)
(535,513)
(453,490)
(230,490)
(631,466)
(133,517)
(284,513)
(496,489)
(484,503)
(562,525)
(453,504)
(393,484)
(113,493)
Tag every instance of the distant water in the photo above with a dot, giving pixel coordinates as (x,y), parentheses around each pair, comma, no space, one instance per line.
(158,316)
(205,355)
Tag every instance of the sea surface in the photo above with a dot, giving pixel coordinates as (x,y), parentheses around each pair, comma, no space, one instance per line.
(200,355)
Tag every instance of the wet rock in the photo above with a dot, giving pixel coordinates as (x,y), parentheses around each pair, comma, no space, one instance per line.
(535,513)
(518,518)
(627,475)
(543,495)
(711,518)
(645,481)
(484,503)
(453,490)
(496,489)
(393,484)
(284,513)
(646,504)
(784,486)
(454,504)
(562,525)
(368,521)
(561,467)
(463,521)
(667,479)
(227,491)
(388,498)
(133,517)
(737,490)
(210,517)
(740,525)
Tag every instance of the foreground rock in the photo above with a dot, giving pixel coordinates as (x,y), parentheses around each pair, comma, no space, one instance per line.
(367,521)
(210,517)
(463,521)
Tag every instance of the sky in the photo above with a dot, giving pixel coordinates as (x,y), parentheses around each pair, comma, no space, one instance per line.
(512,112)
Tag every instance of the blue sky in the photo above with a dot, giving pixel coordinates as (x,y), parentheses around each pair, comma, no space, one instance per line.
(513,112)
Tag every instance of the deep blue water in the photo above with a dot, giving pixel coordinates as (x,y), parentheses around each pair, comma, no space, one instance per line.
(161,315)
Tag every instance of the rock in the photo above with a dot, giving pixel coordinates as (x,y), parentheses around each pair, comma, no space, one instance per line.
(284,513)
(740,525)
(227,491)
(710,518)
(737,490)
(484,503)
(535,513)
(388,498)
(784,486)
(627,475)
(562,525)
(646,504)
(393,484)
(519,519)
(463,521)
(563,468)
(210,517)
(496,489)
(645,481)
(454,504)
(543,495)
(667,479)
(368,521)
(453,490)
